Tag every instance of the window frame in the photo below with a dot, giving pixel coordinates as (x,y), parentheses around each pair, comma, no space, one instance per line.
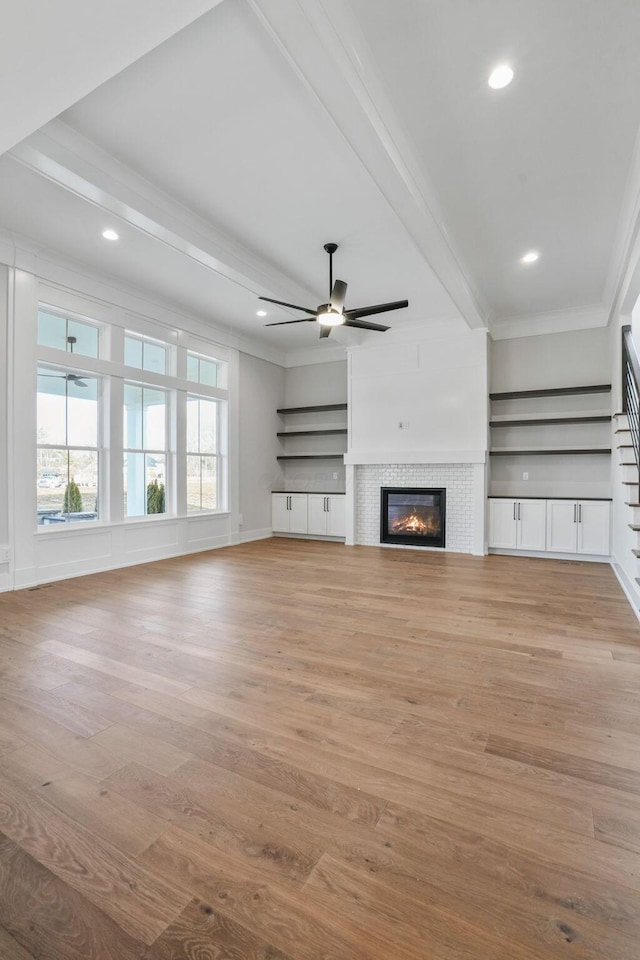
(145,452)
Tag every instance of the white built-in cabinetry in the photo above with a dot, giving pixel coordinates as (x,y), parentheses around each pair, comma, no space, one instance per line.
(289,512)
(551,526)
(517,524)
(326,515)
(578,526)
(314,514)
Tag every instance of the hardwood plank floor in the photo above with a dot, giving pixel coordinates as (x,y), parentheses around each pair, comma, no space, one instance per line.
(293,750)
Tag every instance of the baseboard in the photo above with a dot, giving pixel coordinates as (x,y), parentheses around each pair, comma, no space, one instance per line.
(545,555)
(629,587)
(250,535)
(307,536)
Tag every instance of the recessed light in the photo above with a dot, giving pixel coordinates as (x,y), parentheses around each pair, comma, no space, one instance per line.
(110,235)
(500,77)
(261,313)
(530,257)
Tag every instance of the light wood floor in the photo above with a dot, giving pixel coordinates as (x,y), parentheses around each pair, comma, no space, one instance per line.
(296,750)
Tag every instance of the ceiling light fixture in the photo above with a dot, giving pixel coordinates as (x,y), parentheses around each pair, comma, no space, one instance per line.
(500,77)
(328,317)
(261,313)
(530,257)
(110,235)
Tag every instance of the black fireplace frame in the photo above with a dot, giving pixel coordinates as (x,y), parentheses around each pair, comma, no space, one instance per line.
(404,539)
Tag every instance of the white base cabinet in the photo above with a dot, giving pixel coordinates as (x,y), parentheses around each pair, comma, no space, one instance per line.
(315,514)
(326,516)
(550,526)
(517,524)
(289,512)
(578,526)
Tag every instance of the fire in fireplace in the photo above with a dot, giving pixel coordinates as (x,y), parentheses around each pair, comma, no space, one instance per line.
(412,516)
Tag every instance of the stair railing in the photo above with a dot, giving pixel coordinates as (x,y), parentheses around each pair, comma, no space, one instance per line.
(631,390)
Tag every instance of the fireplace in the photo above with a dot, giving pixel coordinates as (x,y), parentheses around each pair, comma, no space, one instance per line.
(412,516)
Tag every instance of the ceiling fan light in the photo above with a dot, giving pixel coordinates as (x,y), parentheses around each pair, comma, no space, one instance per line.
(330,318)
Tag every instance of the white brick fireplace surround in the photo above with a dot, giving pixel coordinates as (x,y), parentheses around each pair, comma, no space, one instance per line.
(465,503)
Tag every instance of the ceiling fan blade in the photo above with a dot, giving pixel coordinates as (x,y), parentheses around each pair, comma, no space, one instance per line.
(363,325)
(337,295)
(376,308)
(281,303)
(281,323)
(325,331)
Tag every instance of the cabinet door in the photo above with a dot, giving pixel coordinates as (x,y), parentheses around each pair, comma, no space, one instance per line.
(279,512)
(562,526)
(336,523)
(317,519)
(298,513)
(532,518)
(593,527)
(502,524)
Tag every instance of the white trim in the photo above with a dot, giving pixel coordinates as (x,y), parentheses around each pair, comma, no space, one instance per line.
(629,591)
(547,555)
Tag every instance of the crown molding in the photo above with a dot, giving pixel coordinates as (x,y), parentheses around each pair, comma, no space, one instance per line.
(560,321)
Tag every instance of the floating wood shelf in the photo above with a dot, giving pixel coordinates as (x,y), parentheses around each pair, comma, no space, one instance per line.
(319,408)
(547,453)
(546,420)
(553,392)
(311,433)
(314,456)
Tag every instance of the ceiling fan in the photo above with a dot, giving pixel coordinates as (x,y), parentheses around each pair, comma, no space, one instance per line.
(333,314)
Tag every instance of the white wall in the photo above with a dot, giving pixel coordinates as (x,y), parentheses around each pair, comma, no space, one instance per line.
(437,388)
(262,386)
(43,554)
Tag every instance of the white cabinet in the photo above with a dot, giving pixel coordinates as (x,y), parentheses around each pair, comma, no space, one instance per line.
(289,512)
(326,515)
(517,524)
(578,526)
(316,514)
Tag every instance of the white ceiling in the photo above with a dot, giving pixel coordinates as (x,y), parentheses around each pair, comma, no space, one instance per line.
(229,153)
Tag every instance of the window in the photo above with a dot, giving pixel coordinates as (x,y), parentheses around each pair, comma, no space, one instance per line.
(145,454)
(64,333)
(67,450)
(202,450)
(145,354)
(202,370)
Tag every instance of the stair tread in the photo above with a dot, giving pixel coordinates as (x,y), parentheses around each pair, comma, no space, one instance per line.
(623,430)
(628,503)
(634,526)
(636,553)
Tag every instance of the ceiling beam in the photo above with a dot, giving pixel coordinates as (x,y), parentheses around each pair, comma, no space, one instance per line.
(53,54)
(328,55)
(74,163)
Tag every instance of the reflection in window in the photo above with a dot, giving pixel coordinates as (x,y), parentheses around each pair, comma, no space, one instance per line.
(145,456)
(202,450)
(67,451)
(64,333)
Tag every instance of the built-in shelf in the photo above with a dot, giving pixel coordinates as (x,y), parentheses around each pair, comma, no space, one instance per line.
(312,433)
(313,456)
(547,453)
(553,392)
(318,408)
(548,420)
